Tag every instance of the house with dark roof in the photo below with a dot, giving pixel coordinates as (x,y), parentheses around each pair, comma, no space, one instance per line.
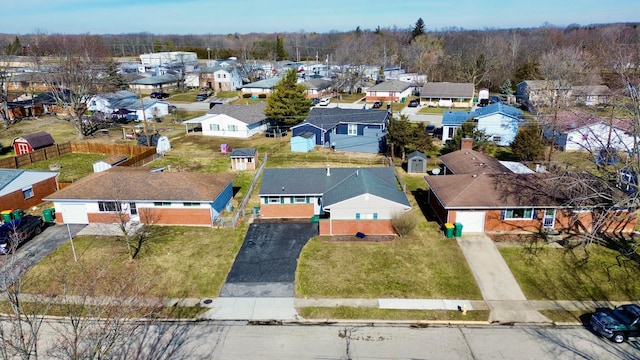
(261,86)
(393,90)
(243,158)
(344,200)
(484,195)
(22,189)
(447,95)
(236,121)
(135,195)
(317,88)
(357,130)
(498,121)
(30,142)
(149,84)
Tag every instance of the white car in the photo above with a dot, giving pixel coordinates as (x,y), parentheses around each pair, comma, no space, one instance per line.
(324,102)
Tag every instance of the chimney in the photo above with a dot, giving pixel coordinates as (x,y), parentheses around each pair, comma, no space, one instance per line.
(328,170)
(466,144)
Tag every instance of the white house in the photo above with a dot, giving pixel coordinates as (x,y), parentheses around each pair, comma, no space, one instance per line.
(498,121)
(237,121)
(108,103)
(394,90)
(221,79)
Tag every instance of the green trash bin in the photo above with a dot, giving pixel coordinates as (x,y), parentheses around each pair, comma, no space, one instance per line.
(49,214)
(448,230)
(458,229)
(6,215)
(256,210)
(18,214)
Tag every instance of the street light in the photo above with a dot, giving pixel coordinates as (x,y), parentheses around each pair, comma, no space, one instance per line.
(209,53)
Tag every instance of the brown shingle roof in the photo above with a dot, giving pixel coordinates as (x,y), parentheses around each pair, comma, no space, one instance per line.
(472,162)
(38,140)
(144,185)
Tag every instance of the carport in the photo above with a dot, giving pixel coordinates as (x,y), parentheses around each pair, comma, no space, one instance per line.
(266,263)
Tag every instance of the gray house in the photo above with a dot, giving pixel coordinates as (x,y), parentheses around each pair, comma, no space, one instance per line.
(416,163)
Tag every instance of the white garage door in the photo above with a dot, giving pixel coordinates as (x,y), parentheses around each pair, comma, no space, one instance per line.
(74,214)
(472,221)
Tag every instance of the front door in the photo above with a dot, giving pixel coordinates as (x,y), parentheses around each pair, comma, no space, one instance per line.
(133,213)
(549,218)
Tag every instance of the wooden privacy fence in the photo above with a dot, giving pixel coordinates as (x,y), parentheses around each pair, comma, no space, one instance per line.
(137,155)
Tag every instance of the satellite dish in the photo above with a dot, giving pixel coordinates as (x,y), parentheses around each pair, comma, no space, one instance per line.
(435,171)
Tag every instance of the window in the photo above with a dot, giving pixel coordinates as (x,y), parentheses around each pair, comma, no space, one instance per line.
(190,204)
(160,203)
(27,193)
(109,206)
(366,216)
(274,199)
(497,138)
(214,127)
(518,214)
(233,127)
(300,199)
(352,129)
(452,131)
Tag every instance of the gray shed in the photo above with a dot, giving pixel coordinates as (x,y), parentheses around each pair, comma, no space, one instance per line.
(416,163)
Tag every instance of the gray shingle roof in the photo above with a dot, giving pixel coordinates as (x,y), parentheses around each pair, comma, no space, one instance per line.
(328,118)
(392,85)
(248,114)
(447,90)
(243,152)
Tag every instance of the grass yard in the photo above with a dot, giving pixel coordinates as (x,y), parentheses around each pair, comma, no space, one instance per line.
(176,262)
(559,274)
(72,166)
(392,315)
(60,129)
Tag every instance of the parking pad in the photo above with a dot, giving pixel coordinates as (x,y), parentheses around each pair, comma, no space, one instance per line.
(266,263)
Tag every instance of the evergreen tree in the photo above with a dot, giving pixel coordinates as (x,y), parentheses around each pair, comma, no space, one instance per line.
(114,81)
(288,102)
(418,29)
(528,144)
(281,53)
(407,136)
(506,90)
(14,48)
(468,129)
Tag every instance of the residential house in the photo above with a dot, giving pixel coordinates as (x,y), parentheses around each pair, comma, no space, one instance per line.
(110,103)
(536,93)
(345,200)
(590,95)
(498,121)
(220,79)
(134,195)
(574,130)
(416,162)
(238,121)
(261,86)
(446,94)
(30,142)
(393,90)
(22,189)
(169,57)
(317,88)
(26,81)
(243,158)
(484,195)
(150,84)
(356,130)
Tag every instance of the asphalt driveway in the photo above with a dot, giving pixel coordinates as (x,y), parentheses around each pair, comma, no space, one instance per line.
(266,263)
(33,251)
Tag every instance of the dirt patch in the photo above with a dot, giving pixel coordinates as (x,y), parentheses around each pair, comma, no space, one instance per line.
(367,238)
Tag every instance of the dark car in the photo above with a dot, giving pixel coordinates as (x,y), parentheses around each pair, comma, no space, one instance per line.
(315,101)
(17,231)
(202,97)
(159,95)
(414,103)
(377,104)
(430,129)
(617,324)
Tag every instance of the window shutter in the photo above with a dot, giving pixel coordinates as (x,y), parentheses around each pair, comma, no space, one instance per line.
(308,199)
(291,200)
(282,200)
(503,215)
(357,216)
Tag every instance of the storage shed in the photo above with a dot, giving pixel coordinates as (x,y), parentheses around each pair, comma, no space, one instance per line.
(304,142)
(416,163)
(108,163)
(28,143)
(243,159)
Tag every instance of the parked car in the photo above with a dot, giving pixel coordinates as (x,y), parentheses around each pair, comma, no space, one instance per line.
(430,130)
(414,103)
(202,97)
(324,102)
(159,95)
(17,231)
(619,324)
(315,101)
(377,104)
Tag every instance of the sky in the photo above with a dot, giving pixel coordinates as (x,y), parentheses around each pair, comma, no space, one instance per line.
(203,17)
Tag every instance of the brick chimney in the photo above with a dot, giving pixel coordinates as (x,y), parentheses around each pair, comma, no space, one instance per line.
(466,144)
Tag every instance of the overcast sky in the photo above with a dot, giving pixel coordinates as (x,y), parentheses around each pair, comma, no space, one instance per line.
(270,16)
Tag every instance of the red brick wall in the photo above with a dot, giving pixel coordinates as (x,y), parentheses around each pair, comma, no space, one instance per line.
(158,216)
(286,210)
(493,222)
(351,227)
(15,200)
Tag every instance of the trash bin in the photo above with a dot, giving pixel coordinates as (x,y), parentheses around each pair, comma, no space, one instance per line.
(229,207)
(18,214)
(49,214)
(448,230)
(256,210)
(315,219)
(6,215)
(458,229)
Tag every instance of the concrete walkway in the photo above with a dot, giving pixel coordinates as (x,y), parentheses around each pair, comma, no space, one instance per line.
(499,288)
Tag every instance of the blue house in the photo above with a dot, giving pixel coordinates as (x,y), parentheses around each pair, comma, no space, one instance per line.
(357,130)
(498,121)
(304,142)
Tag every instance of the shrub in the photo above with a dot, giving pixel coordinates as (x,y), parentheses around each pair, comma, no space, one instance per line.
(246,96)
(262,96)
(404,223)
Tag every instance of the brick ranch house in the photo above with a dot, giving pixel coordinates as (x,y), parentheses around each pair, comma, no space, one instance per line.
(345,200)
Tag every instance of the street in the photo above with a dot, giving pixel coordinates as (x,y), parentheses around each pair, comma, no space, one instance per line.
(212,340)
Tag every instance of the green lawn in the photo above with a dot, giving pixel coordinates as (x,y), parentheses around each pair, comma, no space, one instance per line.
(347,313)
(73,166)
(559,274)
